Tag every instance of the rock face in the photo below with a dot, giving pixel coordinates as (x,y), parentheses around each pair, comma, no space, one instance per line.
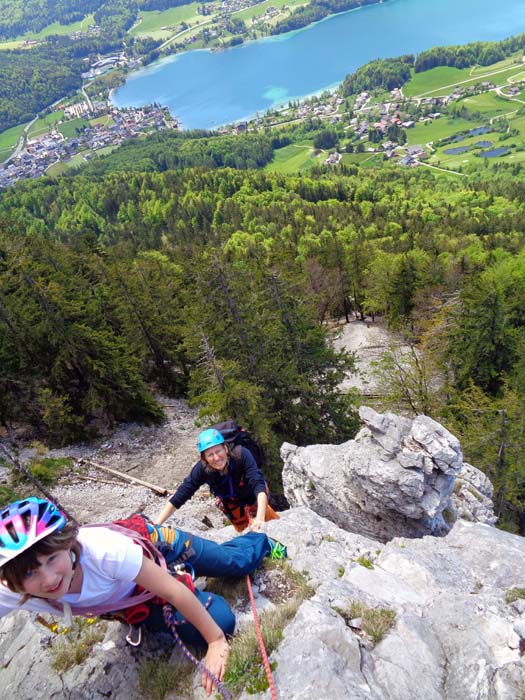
(454,638)
(455,633)
(396,478)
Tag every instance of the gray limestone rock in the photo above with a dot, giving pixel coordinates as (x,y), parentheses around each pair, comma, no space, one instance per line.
(454,636)
(396,478)
(361,532)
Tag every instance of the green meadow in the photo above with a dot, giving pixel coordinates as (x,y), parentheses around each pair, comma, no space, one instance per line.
(9,139)
(151,22)
(52,29)
(434,81)
(42,126)
(260,9)
(425,132)
(490,104)
(69,129)
(64,166)
(105,119)
(292,159)
(364,159)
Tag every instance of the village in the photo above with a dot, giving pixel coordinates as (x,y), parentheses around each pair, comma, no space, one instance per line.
(368,126)
(371,126)
(53,147)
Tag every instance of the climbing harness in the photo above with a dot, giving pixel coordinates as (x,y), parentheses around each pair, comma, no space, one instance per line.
(169,619)
(260,639)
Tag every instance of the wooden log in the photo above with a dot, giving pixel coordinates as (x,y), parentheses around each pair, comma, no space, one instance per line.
(85,477)
(126,477)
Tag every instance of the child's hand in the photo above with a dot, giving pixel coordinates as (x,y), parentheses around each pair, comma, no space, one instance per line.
(215,661)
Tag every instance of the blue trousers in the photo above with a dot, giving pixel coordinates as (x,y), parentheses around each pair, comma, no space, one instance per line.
(237,557)
(216,606)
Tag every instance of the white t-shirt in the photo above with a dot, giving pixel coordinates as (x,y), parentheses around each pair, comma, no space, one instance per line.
(110,562)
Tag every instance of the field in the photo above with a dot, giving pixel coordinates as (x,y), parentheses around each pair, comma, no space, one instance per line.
(260,9)
(105,119)
(42,126)
(434,81)
(69,129)
(8,140)
(55,28)
(64,166)
(425,132)
(431,80)
(292,159)
(367,160)
(490,104)
(151,23)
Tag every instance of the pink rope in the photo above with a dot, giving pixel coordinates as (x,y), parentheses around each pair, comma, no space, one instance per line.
(264,655)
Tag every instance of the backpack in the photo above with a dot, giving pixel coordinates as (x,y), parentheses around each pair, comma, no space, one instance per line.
(235,435)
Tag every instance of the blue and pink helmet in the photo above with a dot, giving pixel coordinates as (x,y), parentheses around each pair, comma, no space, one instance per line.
(25,522)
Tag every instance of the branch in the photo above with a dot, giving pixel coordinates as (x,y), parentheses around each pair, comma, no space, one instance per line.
(27,474)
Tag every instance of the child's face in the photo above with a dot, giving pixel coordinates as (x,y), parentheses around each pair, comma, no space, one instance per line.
(216,457)
(52,577)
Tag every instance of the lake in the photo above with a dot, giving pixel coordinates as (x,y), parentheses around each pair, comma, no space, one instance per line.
(206,89)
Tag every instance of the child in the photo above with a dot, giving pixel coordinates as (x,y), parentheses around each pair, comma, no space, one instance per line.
(233,477)
(50,565)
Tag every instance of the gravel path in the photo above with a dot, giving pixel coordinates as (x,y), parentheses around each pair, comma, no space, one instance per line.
(164,454)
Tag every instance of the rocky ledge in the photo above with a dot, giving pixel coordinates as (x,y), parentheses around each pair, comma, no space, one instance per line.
(396,613)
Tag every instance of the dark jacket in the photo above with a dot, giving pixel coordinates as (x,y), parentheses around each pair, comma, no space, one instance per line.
(241,484)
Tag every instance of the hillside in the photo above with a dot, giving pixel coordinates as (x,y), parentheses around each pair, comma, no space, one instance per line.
(387,617)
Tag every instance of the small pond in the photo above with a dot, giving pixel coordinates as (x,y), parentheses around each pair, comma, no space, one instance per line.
(494,153)
(479,130)
(483,144)
(456,151)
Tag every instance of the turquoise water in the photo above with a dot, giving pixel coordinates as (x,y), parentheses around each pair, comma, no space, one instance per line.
(206,89)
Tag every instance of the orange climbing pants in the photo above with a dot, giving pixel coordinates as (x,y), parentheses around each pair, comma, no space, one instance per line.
(241,516)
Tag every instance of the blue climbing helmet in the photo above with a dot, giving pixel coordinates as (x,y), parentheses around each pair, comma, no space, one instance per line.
(209,438)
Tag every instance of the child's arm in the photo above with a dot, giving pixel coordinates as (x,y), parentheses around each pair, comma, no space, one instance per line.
(159,581)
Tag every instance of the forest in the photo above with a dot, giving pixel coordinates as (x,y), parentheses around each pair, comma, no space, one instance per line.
(224,286)
(315,11)
(385,73)
(45,74)
(482,53)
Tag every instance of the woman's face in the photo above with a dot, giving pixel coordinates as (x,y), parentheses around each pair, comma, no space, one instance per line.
(52,577)
(216,457)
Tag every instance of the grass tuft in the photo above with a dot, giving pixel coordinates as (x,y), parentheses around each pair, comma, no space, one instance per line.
(376,622)
(366,562)
(514,594)
(245,669)
(159,676)
(72,646)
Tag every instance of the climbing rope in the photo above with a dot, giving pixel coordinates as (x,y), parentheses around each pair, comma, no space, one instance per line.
(260,639)
(169,617)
